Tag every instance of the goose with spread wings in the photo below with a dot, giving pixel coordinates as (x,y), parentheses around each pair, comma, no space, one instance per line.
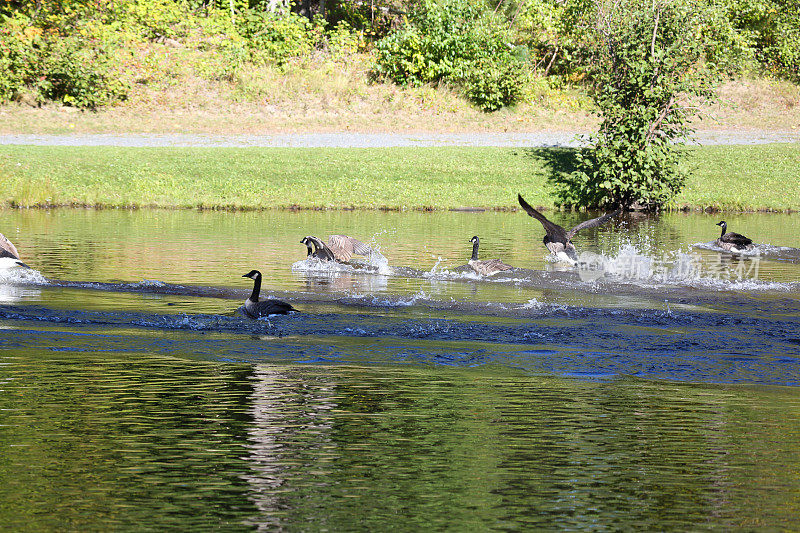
(559,240)
(9,256)
(339,248)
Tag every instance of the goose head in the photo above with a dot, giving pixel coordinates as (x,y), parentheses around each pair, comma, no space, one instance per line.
(475,240)
(307,242)
(253,274)
(722,224)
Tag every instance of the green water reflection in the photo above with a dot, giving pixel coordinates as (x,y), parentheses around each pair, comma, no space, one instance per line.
(91,443)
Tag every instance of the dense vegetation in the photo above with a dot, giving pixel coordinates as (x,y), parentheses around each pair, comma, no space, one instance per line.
(81,52)
(648,63)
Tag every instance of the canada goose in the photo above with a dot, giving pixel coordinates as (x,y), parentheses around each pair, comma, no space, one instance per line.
(557,239)
(338,248)
(486,267)
(733,242)
(254,309)
(9,256)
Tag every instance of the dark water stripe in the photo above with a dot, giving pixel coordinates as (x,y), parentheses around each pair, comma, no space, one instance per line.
(682,346)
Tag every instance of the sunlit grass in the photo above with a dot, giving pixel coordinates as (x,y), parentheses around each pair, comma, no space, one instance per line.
(743,178)
(728,178)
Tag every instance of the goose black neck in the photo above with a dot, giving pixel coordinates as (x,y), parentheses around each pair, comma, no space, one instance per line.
(475,250)
(724,227)
(256,288)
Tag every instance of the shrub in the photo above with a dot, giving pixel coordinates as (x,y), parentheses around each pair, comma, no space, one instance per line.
(77,70)
(648,60)
(276,37)
(80,76)
(453,41)
(16,56)
(157,18)
(494,85)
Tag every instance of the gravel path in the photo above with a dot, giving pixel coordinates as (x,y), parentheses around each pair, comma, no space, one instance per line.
(364,140)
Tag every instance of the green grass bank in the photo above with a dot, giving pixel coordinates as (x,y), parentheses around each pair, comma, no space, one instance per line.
(762,177)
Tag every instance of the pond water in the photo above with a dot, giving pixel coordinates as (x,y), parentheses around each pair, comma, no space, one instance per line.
(653,386)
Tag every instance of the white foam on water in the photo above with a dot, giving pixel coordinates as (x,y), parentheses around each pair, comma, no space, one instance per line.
(685,268)
(312,264)
(21,276)
(148,283)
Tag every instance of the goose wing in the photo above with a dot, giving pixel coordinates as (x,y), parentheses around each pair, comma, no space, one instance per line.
(593,222)
(7,249)
(343,247)
(489,266)
(497,264)
(554,231)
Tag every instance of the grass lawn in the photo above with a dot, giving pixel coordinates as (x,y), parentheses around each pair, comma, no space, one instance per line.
(726,178)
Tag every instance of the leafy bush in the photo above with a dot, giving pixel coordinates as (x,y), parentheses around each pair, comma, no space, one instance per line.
(648,60)
(77,70)
(772,27)
(343,41)
(452,41)
(157,18)
(492,86)
(16,51)
(276,37)
(80,76)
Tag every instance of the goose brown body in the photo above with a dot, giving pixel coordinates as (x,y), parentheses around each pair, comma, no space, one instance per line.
(486,267)
(339,248)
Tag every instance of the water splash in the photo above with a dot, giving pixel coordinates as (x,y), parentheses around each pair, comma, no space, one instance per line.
(21,276)
(682,268)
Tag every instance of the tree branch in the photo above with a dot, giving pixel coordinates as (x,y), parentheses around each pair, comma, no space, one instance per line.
(552,59)
(656,123)
(655,31)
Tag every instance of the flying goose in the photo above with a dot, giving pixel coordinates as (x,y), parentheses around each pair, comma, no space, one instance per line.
(486,267)
(9,256)
(254,309)
(733,242)
(557,239)
(339,248)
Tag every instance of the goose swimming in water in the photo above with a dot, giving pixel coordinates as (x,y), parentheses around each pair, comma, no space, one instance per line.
(487,267)
(254,309)
(339,248)
(557,239)
(9,256)
(733,242)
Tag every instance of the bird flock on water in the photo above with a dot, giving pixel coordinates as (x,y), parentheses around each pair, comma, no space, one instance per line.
(341,249)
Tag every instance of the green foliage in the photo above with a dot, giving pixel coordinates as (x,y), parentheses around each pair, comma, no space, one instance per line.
(15,55)
(79,70)
(493,85)
(276,37)
(772,29)
(648,61)
(69,50)
(157,18)
(453,41)
(342,41)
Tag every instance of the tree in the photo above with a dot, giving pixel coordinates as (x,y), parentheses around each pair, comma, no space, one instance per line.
(648,66)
